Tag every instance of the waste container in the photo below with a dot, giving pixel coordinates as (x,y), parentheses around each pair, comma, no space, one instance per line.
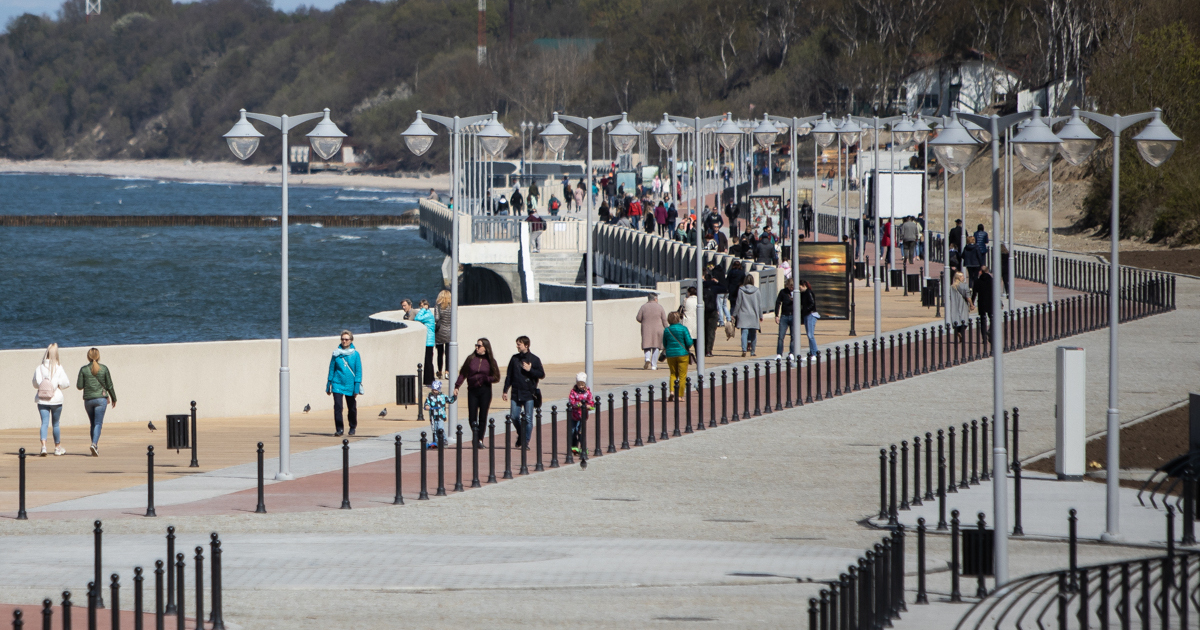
(897,278)
(406,389)
(914,282)
(931,292)
(860,270)
(178,431)
(974,558)
(1070,413)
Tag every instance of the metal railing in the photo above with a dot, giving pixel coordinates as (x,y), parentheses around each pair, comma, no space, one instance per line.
(484,229)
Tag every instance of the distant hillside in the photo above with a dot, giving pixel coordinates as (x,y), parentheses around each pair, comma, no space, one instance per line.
(149,78)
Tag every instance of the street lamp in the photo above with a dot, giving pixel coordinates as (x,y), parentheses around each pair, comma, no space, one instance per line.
(418,138)
(243,140)
(921,131)
(1155,144)
(624,136)
(1031,145)
(847,133)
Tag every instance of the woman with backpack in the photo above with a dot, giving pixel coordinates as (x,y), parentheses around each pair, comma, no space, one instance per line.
(345,382)
(442,336)
(96,383)
(50,379)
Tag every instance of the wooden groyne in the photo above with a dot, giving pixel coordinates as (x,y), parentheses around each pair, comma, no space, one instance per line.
(213,220)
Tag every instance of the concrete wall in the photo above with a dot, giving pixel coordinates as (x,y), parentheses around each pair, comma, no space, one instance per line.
(225,378)
(554,292)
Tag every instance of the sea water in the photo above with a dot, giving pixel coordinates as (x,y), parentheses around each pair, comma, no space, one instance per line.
(82,286)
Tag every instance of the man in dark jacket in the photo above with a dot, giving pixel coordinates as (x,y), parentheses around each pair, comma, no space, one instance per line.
(956,234)
(981,294)
(712,291)
(783,317)
(522,376)
(733,282)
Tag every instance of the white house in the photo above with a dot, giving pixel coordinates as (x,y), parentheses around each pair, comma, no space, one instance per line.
(966,85)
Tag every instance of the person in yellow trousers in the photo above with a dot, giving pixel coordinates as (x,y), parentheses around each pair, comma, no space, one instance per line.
(677,343)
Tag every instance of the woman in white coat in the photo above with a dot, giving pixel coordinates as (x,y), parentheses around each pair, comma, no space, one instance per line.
(49,379)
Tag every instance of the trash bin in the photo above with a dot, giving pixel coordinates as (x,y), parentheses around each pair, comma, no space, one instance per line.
(178,431)
(914,282)
(897,278)
(406,389)
(860,270)
(972,561)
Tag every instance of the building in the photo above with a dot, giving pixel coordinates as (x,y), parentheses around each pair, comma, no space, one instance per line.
(969,83)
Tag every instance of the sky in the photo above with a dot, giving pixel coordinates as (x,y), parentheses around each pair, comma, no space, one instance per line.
(12,8)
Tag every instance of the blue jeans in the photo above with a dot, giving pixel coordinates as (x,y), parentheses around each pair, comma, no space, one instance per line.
(95,410)
(48,412)
(810,324)
(786,325)
(522,426)
(722,310)
(750,337)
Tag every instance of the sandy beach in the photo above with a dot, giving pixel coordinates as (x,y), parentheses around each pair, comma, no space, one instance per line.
(221,172)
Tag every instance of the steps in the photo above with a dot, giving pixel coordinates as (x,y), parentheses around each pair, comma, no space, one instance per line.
(559,267)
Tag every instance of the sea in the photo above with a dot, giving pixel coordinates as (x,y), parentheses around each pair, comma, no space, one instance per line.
(85,286)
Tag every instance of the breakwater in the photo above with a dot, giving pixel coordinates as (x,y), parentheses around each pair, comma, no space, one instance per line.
(209,220)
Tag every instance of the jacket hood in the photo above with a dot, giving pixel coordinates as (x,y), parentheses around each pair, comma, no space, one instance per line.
(749,288)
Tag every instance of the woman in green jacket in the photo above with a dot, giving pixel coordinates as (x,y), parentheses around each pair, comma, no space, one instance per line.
(96,383)
(676,342)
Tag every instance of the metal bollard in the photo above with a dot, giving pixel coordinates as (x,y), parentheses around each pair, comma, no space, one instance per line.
(746,392)
(424,495)
(964,480)
(97,536)
(491,453)
(828,374)
(637,417)
(922,596)
(874,359)
(712,400)
(537,466)
(883,478)
(399,498)
(458,482)
(345,474)
(524,448)
(66,610)
(787,364)
(892,370)
(625,420)
(650,435)
(440,438)
(928,466)
(199,588)
(92,596)
(699,402)
(508,424)
(597,452)
(725,396)
(813,618)
(955,593)
(757,389)
(916,497)
(553,438)
(892,515)
(981,582)
(837,356)
(170,609)
(808,377)
(898,604)
(687,404)
(1071,549)
(814,365)
(857,383)
(612,431)
(734,386)
(217,615)
(974,453)
(983,438)
(675,400)
(159,612)
(420,393)
(261,508)
(114,587)
(583,449)
(194,463)
(21,515)
(908,352)
(47,613)
(150,481)
(180,609)
(766,377)
(1017,529)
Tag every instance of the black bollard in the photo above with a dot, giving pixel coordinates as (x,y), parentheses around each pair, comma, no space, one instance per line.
(439,437)
(857,383)
(194,464)
(778,384)
(524,448)
(179,591)
(983,439)
(21,516)
(746,391)
(345,474)
(892,514)
(66,610)
(199,588)
(828,373)
(159,612)
(508,423)
(837,356)
(675,400)
(941,494)
(1017,529)
(875,360)
(553,438)
(399,498)
(663,407)
(980,580)
(97,536)
(599,412)
(787,401)
(217,615)
(612,428)
(687,403)
(766,381)
(170,609)
(261,508)
(757,390)
(733,386)
(922,596)
(625,420)
(537,466)
(908,353)
(883,478)
(491,450)
(808,373)
(47,613)
(916,497)
(150,481)
(114,587)
(974,453)
(815,366)
(424,495)
(904,475)
(583,450)
(637,418)
(964,481)
(955,593)
(928,466)
(699,402)
(458,483)
(952,486)
(93,595)
(650,435)
(420,393)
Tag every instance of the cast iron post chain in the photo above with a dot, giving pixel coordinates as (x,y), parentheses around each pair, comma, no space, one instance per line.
(261,508)
(916,452)
(170,609)
(904,475)
(346,474)
(964,481)
(637,417)
(424,495)
(597,452)
(952,486)
(458,482)
(114,587)
(1017,529)
(21,515)
(625,420)
(508,426)
(97,541)
(491,454)
(1071,549)
(928,466)
(180,609)
(199,588)
(217,615)
(150,481)
(983,439)
(981,583)
(974,453)
(159,611)
(537,466)
(612,431)
(194,464)
(651,436)
(757,390)
(883,479)
(724,397)
(922,596)
(687,405)
(524,447)
(955,593)
(892,516)
(712,399)
(553,438)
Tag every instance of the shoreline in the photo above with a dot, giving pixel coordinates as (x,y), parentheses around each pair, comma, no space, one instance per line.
(181,170)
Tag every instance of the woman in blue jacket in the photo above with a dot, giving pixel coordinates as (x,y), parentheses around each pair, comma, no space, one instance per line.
(429,319)
(345,382)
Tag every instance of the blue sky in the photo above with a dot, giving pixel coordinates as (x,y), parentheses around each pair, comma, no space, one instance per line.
(12,8)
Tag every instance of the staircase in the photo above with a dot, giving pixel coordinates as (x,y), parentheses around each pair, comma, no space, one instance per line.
(559,267)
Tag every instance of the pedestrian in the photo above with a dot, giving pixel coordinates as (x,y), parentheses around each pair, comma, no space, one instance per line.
(981,240)
(981,294)
(442,335)
(687,312)
(580,193)
(433,196)
(653,318)
(568,196)
(554,206)
(480,371)
(522,376)
(972,259)
(956,234)
(516,201)
(713,294)
(783,317)
(428,318)
(959,305)
(605,212)
(533,196)
(344,382)
(766,248)
(49,378)
(748,314)
(909,233)
(579,400)
(407,307)
(98,393)
(809,315)
(886,242)
(733,282)
(677,343)
(536,227)
(436,403)
(672,218)
(660,217)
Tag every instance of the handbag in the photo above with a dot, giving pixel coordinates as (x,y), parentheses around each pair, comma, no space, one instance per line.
(537,397)
(46,388)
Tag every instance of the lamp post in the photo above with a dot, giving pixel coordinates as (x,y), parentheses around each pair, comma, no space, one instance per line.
(848,133)
(1155,143)
(243,140)
(1036,146)
(921,136)
(556,135)
(823,133)
(876,124)
(796,127)
(418,138)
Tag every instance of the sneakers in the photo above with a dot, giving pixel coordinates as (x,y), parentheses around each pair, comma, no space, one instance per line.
(743,353)
(58,450)
(95,451)
(351,431)
(337,434)
(43,452)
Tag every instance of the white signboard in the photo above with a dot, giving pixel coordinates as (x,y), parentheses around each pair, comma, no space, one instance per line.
(910,192)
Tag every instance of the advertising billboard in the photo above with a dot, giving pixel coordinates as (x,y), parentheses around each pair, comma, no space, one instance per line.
(827,267)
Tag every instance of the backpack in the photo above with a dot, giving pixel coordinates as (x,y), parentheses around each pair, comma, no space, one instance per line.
(47,388)
(554,204)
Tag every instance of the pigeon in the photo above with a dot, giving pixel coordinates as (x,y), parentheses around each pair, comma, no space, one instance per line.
(150,425)
(383,414)
(307,408)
